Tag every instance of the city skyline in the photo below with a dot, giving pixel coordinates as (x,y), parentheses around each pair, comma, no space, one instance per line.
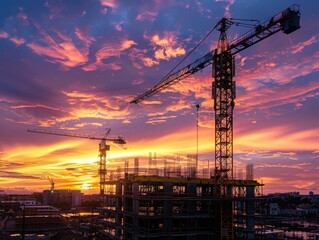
(75,67)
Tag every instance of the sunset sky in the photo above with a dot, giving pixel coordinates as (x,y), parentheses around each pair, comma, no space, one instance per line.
(75,65)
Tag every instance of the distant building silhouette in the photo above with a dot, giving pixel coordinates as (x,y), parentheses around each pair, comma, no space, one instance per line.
(61,198)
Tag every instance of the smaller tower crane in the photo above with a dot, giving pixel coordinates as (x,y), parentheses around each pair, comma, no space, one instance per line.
(52,183)
(103,148)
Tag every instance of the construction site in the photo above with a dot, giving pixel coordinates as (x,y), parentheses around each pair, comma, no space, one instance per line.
(173,198)
(169,200)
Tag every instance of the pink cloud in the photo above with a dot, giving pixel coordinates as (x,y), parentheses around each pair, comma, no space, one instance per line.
(113,49)
(227,7)
(86,40)
(93,106)
(17,41)
(137,82)
(4,34)
(110,50)
(147,15)
(22,17)
(104,11)
(300,46)
(90,67)
(118,25)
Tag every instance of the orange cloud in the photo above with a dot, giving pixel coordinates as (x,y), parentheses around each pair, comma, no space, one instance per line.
(147,102)
(61,51)
(69,162)
(34,106)
(149,62)
(109,3)
(165,47)
(277,138)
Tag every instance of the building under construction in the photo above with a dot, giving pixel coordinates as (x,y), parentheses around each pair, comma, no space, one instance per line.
(179,207)
(171,200)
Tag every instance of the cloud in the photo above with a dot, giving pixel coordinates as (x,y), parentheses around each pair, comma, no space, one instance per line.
(160,119)
(300,46)
(165,47)
(4,34)
(65,53)
(279,137)
(95,106)
(137,82)
(140,59)
(12,174)
(109,50)
(17,41)
(31,114)
(227,7)
(86,41)
(149,62)
(118,25)
(146,15)
(9,164)
(126,121)
(150,102)
(62,49)
(109,3)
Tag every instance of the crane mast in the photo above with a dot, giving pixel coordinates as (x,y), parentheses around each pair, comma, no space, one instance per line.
(103,148)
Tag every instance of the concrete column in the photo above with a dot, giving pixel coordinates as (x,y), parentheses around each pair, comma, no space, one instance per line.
(167,208)
(191,192)
(135,204)
(118,208)
(250,212)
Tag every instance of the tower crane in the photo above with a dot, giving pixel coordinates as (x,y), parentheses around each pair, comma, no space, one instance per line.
(52,183)
(103,148)
(224,94)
